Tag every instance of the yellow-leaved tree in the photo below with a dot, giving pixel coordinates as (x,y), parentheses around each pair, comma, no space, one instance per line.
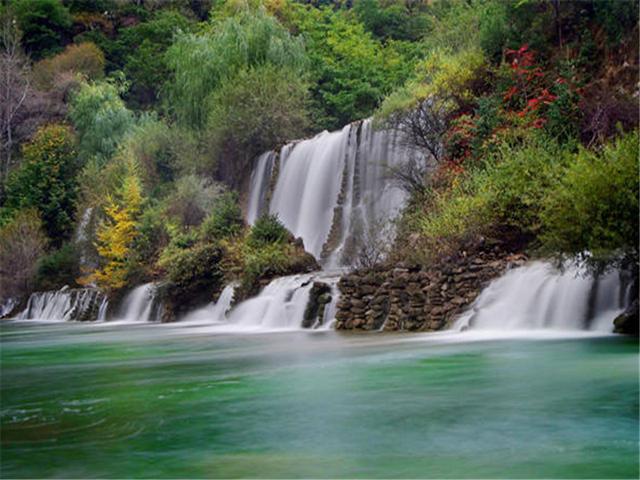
(116,235)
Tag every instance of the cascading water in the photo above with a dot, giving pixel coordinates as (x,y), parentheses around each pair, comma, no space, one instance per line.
(259,186)
(332,188)
(280,305)
(80,304)
(329,190)
(537,296)
(139,305)
(215,312)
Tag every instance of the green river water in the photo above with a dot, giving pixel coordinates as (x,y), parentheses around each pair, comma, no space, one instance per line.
(163,401)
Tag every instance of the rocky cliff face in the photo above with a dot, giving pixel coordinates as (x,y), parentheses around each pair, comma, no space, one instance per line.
(417,299)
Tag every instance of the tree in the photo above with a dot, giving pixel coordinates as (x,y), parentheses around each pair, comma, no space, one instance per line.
(117,234)
(594,207)
(146,44)
(351,71)
(101,119)
(200,63)
(255,111)
(46,181)
(22,243)
(45,24)
(15,86)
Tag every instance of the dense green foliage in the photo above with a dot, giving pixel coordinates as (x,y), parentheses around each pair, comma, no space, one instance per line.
(526,108)
(594,206)
(100,118)
(252,112)
(351,70)
(202,62)
(46,181)
(44,24)
(145,45)
(58,268)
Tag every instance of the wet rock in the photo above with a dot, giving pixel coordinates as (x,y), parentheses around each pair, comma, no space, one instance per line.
(628,322)
(319,297)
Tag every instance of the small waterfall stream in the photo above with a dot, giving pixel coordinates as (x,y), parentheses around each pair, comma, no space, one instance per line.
(537,296)
(139,305)
(81,304)
(215,312)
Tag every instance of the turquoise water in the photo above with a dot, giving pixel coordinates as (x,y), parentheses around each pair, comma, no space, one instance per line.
(158,401)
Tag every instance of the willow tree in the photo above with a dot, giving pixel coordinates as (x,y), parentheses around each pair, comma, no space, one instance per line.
(200,63)
(241,85)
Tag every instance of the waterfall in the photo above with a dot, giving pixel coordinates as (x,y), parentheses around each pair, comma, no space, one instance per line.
(280,305)
(81,304)
(259,186)
(538,296)
(216,312)
(139,305)
(332,187)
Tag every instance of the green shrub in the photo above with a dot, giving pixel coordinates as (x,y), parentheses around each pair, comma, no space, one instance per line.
(270,258)
(58,268)
(44,25)
(193,270)
(153,235)
(225,220)
(267,230)
(504,193)
(149,142)
(594,206)
(191,199)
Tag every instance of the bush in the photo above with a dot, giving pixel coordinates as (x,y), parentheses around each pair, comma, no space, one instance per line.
(46,180)
(191,199)
(267,230)
(225,220)
(194,269)
(153,235)
(594,207)
(504,194)
(148,143)
(85,59)
(22,242)
(58,268)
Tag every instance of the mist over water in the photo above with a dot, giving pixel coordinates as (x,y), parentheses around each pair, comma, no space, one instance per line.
(157,401)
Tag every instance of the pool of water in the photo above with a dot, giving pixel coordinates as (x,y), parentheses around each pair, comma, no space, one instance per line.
(164,401)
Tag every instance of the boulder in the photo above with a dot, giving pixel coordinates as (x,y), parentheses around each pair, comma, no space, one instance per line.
(627,322)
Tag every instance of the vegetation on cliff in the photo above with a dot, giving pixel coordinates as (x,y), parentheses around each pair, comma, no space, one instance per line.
(132,124)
